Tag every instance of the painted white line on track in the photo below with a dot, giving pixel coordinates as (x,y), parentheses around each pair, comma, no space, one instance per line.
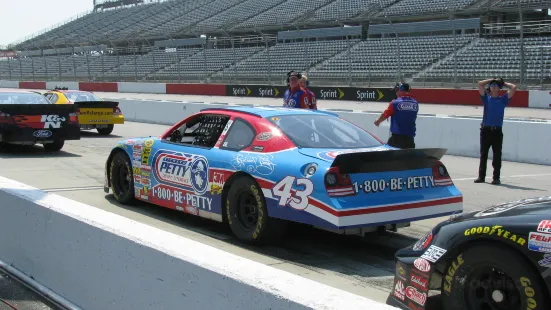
(69,189)
(509,177)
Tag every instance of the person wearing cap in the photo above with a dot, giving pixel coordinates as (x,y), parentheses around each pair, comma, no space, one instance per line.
(295,96)
(491,133)
(403,113)
(304,83)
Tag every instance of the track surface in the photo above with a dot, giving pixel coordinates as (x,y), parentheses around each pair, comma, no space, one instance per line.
(364,267)
(471,111)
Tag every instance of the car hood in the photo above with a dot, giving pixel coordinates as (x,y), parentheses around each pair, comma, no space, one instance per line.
(329,155)
(538,207)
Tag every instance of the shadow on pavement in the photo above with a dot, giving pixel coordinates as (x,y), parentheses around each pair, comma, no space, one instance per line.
(35,151)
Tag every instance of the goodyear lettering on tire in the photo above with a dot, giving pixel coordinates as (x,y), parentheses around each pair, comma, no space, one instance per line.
(260,212)
(228,211)
(115,194)
(452,269)
(529,293)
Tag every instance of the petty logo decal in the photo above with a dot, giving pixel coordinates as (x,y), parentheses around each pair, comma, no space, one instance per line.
(333,154)
(188,170)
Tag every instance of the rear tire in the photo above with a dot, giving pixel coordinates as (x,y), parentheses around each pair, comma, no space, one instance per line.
(490,276)
(247,214)
(122,179)
(55,146)
(106,131)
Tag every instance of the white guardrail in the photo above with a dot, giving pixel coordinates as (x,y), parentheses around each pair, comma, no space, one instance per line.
(460,135)
(95,259)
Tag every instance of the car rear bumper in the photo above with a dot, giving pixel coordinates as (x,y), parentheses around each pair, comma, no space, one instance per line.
(110,120)
(391,213)
(416,273)
(27,135)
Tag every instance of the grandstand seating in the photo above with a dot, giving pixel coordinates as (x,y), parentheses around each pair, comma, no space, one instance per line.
(347,9)
(422,7)
(378,58)
(428,57)
(498,57)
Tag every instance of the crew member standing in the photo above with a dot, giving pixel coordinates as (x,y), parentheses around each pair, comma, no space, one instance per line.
(295,96)
(304,83)
(491,134)
(403,113)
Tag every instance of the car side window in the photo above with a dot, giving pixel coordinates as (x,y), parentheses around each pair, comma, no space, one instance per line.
(52,98)
(203,131)
(240,136)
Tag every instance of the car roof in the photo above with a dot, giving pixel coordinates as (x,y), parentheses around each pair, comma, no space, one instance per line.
(18,90)
(70,91)
(269,111)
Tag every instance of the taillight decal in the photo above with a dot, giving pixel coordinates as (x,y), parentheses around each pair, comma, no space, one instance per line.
(440,175)
(337,184)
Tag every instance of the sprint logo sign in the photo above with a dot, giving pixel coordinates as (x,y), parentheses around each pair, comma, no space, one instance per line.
(268,92)
(369,95)
(241,91)
(336,93)
(255,91)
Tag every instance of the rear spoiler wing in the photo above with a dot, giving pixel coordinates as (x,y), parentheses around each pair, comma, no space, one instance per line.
(390,160)
(96,104)
(37,109)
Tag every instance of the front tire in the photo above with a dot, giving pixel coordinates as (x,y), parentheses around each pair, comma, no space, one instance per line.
(122,179)
(54,146)
(491,277)
(247,214)
(106,131)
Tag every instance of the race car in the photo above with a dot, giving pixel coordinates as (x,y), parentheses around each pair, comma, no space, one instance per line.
(495,258)
(27,118)
(259,168)
(93,111)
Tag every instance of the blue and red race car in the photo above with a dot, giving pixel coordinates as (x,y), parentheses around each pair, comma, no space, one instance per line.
(258,168)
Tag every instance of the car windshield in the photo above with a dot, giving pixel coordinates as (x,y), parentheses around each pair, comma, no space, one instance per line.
(322,131)
(81,96)
(22,98)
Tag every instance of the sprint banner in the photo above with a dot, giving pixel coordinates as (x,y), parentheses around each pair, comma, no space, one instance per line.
(322,93)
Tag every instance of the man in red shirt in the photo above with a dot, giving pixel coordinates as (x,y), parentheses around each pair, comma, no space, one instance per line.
(304,83)
(295,96)
(403,112)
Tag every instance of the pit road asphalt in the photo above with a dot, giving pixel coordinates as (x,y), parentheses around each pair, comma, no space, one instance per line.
(361,266)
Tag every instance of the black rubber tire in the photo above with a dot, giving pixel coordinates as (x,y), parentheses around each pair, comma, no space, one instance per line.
(524,282)
(55,146)
(106,131)
(262,231)
(119,170)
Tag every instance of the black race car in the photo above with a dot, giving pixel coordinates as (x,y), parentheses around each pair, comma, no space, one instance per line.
(497,258)
(28,118)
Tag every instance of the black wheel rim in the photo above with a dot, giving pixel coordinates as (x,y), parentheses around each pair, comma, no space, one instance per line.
(123,179)
(247,212)
(490,288)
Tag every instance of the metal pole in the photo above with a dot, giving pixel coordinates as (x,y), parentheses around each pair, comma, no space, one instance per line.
(521,45)
(452,16)
(205,46)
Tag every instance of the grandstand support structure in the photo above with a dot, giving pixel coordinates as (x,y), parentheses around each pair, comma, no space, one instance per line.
(363,43)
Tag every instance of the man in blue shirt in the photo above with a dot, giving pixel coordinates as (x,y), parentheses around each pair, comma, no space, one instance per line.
(403,112)
(491,134)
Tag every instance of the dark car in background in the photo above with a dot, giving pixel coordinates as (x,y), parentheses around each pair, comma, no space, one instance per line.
(28,118)
(497,258)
